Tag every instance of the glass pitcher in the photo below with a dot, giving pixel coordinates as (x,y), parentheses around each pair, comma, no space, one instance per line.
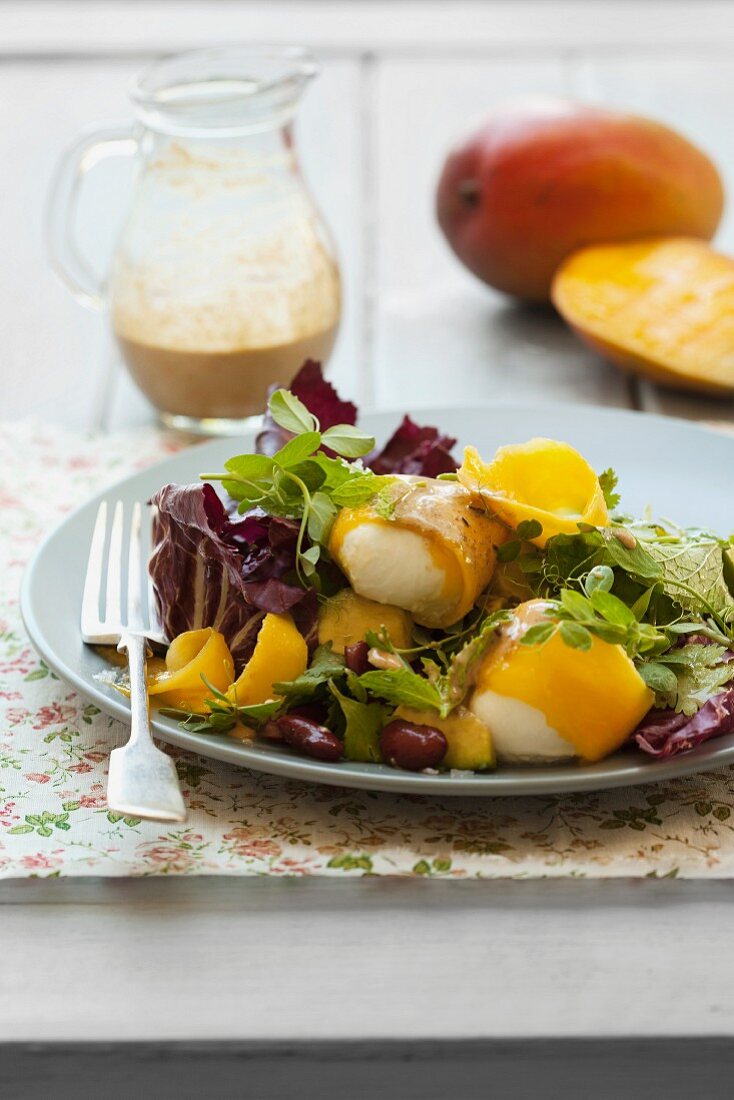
(224,278)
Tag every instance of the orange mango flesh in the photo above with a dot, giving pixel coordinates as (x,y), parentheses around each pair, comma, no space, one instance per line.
(280,654)
(543,480)
(593,699)
(346,618)
(662,308)
(178,683)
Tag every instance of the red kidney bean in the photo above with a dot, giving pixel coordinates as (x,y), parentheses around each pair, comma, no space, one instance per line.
(356,657)
(310,738)
(412,747)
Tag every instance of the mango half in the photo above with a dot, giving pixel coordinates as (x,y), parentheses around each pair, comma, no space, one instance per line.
(662,308)
(542,480)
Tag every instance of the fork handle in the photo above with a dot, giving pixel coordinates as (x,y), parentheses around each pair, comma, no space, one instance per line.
(142,780)
(137,651)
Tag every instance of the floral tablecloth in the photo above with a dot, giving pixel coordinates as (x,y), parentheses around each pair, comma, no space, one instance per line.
(54,749)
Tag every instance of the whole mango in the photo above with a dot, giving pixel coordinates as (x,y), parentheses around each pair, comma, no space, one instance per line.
(543,178)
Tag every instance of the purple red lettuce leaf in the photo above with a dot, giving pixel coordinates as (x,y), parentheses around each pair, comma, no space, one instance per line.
(412,449)
(210,569)
(319,397)
(664,733)
(422,451)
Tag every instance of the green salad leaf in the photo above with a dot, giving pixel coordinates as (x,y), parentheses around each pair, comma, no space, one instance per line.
(224,714)
(402,687)
(687,677)
(692,572)
(608,481)
(363,723)
(290,413)
(325,666)
(300,481)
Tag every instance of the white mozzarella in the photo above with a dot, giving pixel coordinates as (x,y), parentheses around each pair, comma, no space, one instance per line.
(394,565)
(520,732)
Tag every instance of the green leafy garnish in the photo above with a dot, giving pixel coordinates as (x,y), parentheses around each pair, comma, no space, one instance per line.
(300,482)
(223,713)
(578,617)
(347,440)
(402,687)
(687,677)
(659,574)
(290,413)
(364,721)
(692,572)
(325,666)
(608,481)
(459,675)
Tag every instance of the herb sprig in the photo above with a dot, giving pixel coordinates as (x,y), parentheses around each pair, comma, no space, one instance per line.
(594,611)
(300,481)
(223,713)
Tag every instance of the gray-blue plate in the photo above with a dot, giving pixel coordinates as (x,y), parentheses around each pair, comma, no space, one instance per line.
(681,470)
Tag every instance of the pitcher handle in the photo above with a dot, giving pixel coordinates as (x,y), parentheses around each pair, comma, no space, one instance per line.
(88,149)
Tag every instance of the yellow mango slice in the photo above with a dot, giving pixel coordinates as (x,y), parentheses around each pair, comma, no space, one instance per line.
(662,308)
(280,654)
(346,617)
(593,699)
(542,479)
(178,682)
(469,741)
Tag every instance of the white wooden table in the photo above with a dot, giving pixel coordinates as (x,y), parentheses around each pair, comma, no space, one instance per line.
(371,988)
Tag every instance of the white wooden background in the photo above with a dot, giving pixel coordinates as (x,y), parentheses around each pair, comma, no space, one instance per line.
(401,81)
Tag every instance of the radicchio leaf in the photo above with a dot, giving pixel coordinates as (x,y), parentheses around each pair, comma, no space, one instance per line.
(412,449)
(319,397)
(210,569)
(424,452)
(664,733)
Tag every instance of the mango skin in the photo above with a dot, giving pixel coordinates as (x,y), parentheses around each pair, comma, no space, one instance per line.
(545,177)
(662,308)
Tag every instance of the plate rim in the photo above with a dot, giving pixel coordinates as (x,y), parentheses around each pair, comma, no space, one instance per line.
(241,753)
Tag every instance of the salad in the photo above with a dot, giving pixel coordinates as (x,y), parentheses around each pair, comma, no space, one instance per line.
(409,607)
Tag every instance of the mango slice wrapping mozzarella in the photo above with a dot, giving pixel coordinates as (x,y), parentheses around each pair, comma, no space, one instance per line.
(550,702)
(544,480)
(433,556)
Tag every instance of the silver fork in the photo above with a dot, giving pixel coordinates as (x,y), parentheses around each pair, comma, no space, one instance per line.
(142,780)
